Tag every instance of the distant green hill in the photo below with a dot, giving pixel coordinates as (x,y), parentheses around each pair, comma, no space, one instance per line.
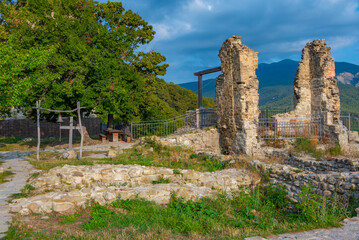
(171,100)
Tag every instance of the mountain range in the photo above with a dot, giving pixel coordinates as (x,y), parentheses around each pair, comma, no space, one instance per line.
(276,85)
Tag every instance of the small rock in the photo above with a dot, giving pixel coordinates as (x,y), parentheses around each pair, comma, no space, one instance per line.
(62,206)
(357,211)
(77,174)
(28,139)
(45,217)
(1,169)
(112,153)
(70,154)
(255,238)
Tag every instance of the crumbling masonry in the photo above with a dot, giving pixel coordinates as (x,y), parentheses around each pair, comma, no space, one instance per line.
(237,98)
(316,93)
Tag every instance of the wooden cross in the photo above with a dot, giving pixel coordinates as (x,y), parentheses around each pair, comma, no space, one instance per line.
(71,128)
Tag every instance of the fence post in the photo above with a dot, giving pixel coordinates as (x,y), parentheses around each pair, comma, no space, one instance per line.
(275,132)
(349,129)
(38,103)
(197,118)
(131,133)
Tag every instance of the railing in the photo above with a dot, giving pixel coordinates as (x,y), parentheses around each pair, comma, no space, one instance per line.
(190,121)
(270,128)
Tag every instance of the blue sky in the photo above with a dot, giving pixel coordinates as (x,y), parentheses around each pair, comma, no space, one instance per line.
(190,32)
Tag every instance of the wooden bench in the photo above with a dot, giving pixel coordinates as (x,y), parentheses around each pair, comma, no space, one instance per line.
(102,138)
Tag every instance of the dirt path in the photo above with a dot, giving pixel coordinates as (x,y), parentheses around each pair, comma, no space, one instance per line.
(14,162)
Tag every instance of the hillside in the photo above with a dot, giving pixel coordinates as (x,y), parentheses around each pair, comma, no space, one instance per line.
(171,100)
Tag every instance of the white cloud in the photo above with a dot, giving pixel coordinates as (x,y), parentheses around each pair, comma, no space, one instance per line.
(195,5)
(171,29)
(340,42)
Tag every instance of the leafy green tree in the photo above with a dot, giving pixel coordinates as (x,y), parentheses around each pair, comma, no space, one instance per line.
(96,60)
(21,70)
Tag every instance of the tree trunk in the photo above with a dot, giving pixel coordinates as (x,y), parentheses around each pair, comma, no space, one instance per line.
(110,121)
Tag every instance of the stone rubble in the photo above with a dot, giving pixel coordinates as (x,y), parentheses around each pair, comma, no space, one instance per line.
(237,98)
(62,188)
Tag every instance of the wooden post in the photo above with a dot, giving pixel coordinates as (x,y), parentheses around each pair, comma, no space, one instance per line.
(70,134)
(38,103)
(200,92)
(81,129)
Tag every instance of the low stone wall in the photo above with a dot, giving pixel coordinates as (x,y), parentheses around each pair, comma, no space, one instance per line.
(200,140)
(62,188)
(325,183)
(335,164)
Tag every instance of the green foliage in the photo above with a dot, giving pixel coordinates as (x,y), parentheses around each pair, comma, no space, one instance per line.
(335,150)
(260,211)
(73,51)
(10,140)
(4,175)
(69,218)
(101,217)
(162,180)
(316,209)
(25,192)
(309,146)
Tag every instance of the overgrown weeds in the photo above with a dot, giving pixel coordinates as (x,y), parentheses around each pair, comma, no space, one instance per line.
(4,176)
(259,211)
(160,156)
(25,192)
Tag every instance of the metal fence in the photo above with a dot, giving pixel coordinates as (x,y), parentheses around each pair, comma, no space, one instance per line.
(270,128)
(190,121)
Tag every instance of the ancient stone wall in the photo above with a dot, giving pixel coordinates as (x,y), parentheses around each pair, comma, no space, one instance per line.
(316,93)
(206,140)
(63,188)
(328,177)
(237,98)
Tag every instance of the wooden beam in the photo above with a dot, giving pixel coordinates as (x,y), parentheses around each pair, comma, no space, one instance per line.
(38,103)
(68,127)
(207,71)
(81,129)
(58,111)
(200,92)
(70,134)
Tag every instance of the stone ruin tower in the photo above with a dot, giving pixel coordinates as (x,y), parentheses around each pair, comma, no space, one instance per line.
(316,92)
(237,98)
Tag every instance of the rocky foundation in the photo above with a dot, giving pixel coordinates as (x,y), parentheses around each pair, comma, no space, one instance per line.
(64,188)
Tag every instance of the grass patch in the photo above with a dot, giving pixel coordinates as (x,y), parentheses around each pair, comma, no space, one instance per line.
(162,180)
(161,156)
(261,211)
(4,176)
(24,193)
(309,146)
